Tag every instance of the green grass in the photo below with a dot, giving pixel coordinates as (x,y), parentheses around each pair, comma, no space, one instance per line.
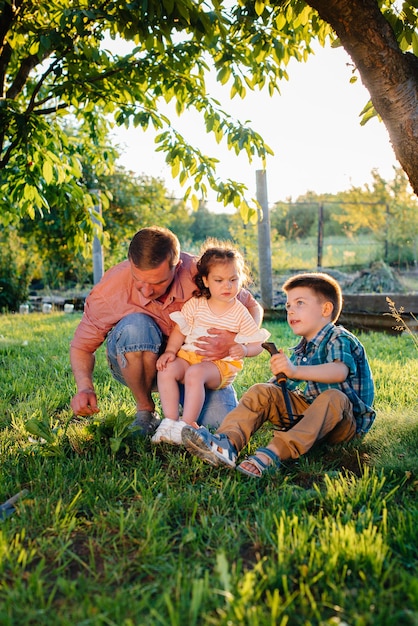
(115,532)
(338,251)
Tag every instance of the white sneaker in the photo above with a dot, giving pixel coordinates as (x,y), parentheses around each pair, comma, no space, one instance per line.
(169,431)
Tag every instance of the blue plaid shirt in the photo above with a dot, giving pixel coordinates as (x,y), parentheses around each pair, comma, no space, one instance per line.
(335,343)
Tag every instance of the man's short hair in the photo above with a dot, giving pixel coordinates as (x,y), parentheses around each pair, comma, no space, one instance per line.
(324,285)
(150,247)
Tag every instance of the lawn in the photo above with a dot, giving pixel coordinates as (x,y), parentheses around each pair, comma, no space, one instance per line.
(113,531)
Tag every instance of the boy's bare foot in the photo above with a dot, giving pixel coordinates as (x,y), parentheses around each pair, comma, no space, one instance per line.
(263,461)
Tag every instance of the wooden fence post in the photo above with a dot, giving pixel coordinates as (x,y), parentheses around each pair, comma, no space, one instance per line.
(264,242)
(320,235)
(98,263)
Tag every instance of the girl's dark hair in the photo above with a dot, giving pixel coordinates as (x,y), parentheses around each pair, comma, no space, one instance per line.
(324,285)
(214,252)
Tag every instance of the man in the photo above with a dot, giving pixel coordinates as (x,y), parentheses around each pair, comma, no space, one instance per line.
(130,309)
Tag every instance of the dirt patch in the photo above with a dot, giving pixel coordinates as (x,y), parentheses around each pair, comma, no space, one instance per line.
(379,278)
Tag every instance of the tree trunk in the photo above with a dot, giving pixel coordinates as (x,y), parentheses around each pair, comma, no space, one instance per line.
(390,75)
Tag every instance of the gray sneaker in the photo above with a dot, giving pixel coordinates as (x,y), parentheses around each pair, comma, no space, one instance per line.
(145,424)
(214,449)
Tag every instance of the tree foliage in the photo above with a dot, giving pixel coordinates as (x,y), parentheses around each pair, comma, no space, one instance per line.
(54,63)
(135,202)
(387,210)
(57,68)
(381,36)
(43,251)
(129,202)
(15,271)
(295,220)
(38,252)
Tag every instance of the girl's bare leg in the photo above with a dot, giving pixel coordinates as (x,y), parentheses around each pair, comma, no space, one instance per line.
(168,380)
(196,379)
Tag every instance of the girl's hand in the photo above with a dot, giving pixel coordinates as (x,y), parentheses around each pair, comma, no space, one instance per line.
(238,351)
(164,359)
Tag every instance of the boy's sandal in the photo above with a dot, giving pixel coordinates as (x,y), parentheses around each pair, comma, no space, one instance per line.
(259,465)
(214,449)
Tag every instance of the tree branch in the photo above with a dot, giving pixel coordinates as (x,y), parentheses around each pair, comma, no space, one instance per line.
(4,161)
(5,57)
(39,84)
(59,107)
(387,73)
(7,17)
(21,77)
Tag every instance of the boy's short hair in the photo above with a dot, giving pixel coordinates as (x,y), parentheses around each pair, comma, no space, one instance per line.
(323,285)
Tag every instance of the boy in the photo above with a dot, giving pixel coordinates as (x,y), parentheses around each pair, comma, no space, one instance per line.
(336,401)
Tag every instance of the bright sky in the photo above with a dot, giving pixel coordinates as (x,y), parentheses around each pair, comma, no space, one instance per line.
(313,127)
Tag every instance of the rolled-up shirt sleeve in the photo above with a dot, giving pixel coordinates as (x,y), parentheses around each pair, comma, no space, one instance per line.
(341,350)
(90,333)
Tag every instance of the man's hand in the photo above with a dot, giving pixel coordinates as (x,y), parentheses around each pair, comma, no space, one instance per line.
(217,345)
(85,402)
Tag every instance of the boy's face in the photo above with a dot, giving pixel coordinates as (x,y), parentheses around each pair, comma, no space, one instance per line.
(307,314)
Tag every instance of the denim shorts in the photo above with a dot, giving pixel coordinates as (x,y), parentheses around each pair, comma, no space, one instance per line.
(138,332)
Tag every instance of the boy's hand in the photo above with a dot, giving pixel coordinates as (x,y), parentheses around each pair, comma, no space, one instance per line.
(280,363)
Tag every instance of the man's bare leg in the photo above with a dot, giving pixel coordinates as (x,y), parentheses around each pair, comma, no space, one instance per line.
(139,375)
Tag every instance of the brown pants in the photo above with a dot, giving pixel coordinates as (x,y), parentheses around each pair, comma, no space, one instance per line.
(329,418)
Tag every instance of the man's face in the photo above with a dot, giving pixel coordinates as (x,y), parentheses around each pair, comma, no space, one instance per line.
(153,283)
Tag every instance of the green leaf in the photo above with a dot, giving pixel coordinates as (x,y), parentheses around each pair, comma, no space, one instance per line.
(415,43)
(115,443)
(280,21)
(367,113)
(195,202)
(48,172)
(40,428)
(224,74)
(34,47)
(259,7)
(175,168)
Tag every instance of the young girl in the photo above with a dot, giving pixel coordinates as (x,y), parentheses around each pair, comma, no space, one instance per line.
(220,276)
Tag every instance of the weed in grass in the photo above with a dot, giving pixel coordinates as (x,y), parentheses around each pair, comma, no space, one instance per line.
(116,428)
(399,317)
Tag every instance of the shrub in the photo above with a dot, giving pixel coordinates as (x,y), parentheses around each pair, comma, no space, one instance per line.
(14,276)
